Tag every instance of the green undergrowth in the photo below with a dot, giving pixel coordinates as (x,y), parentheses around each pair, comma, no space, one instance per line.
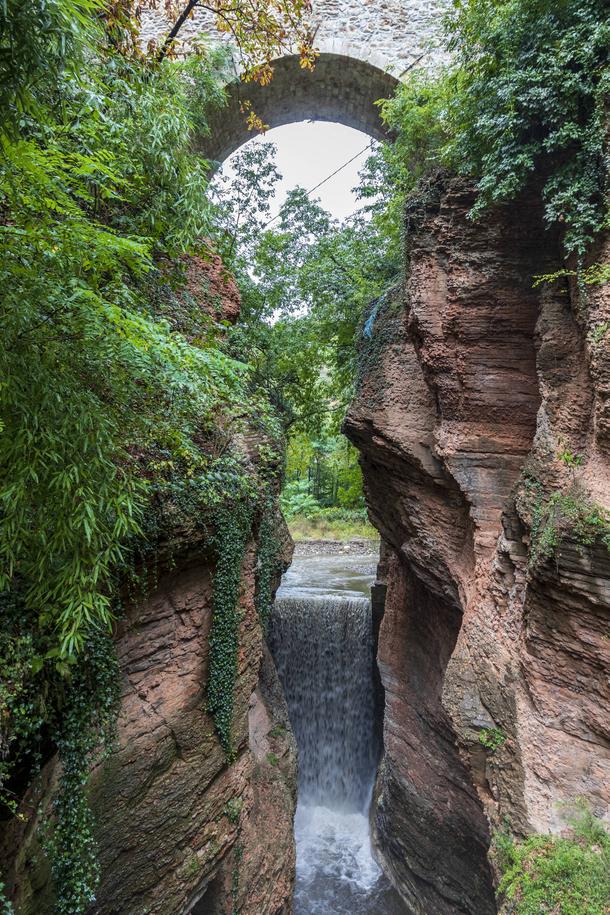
(323,480)
(492,738)
(568,515)
(324,528)
(568,875)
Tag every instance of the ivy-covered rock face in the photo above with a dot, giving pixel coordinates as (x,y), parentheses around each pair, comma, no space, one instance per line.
(122,414)
(171,812)
(232,530)
(523,98)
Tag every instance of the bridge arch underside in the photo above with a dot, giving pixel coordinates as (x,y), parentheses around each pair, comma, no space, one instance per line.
(340,89)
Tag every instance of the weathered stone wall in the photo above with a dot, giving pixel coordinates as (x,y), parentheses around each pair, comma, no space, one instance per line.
(364,45)
(389,34)
(340,89)
(471,376)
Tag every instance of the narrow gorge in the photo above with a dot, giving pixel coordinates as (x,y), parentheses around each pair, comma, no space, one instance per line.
(304,513)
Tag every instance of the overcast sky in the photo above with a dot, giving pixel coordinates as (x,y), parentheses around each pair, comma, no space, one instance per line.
(307,153)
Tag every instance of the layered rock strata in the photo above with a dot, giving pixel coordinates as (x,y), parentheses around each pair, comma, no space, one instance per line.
(482,420)
(179,830)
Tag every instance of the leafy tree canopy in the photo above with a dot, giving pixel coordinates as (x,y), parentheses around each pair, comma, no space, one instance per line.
(526,93)
(305,281)
(116,388)
(100,193)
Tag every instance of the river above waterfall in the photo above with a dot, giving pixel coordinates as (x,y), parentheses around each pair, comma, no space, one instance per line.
(321,639)
(338,574)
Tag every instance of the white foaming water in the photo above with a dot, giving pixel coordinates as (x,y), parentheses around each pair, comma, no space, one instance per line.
(322,643)
(336,871)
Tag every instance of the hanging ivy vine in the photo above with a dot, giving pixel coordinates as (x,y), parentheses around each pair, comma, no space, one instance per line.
(232,528)
(5,906)
(87,727)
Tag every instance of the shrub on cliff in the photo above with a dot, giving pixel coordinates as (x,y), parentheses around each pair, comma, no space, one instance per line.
(526,92)
(568,875)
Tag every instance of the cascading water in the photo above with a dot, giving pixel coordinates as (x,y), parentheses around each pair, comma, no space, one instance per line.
(323,651)
(322,642)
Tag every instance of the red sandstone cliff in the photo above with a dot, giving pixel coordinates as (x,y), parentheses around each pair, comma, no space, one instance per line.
(473,386)
(174,821)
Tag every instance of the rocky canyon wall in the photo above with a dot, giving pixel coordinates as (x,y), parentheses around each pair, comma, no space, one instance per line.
(179,829)
(482,419)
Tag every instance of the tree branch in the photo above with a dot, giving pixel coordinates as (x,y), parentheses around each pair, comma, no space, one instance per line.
(173,32)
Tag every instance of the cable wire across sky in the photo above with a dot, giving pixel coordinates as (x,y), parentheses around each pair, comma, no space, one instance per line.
(309,192)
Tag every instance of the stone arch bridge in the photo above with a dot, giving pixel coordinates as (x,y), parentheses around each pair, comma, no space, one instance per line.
(365,47)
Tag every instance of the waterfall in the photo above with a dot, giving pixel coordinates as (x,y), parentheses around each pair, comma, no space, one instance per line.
(323,650)
(322,641)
